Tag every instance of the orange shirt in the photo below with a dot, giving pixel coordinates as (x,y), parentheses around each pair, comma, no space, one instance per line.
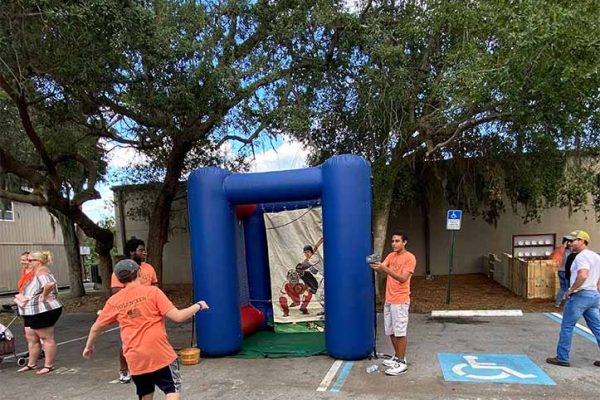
(140,311)
(147,277)
(557,255)
(24,279)
(397,292)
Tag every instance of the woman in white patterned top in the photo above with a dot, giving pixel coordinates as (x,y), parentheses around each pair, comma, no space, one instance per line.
(40,308)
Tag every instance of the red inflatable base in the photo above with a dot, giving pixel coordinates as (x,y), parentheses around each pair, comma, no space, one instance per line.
(252,319)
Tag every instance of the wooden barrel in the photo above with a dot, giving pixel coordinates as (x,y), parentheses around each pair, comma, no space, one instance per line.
(190,356)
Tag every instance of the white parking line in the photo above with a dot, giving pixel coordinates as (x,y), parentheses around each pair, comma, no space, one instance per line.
(477,313)
(329,376)
(583,328)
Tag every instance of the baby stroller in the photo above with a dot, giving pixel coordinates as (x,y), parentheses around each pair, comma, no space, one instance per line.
(7,339)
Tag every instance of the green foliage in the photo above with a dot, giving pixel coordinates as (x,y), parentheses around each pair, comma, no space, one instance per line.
(493,101)
(484,99)
(75,154)
(174,80)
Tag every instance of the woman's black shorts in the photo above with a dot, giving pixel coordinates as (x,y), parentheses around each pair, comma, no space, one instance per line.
(42,320)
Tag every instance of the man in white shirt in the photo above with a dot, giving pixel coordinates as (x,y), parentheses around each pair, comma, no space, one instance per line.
(583,298)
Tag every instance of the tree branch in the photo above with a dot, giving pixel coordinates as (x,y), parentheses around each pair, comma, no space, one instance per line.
(364,12)
(464,126)
(105,132)
(245,140)
(230,39)
(92,177)
(198,128)
(246,47)
(30,131)
(9,164)
(24,198)
(264,123)
(127,112)
(9,90)
(333,44)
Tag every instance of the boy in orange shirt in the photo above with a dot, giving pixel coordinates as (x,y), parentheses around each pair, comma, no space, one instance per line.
(134,249)
(399,266)
(140,310)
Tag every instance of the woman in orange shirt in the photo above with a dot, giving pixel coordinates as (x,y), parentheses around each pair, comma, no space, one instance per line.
(26,271)
(27,274)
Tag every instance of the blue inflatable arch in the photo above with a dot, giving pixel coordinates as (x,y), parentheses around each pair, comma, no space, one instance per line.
(343,185)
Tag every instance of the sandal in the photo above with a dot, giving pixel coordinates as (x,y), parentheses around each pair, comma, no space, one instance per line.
(27,368)
(45,370)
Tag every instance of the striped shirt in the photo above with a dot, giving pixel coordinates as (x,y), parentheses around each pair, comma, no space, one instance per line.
(33,290)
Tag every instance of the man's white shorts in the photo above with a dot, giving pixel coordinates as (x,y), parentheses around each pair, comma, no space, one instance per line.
(395,319)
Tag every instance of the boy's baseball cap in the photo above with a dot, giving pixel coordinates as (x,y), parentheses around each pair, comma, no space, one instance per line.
(124,268)
(578,234)
(308,247)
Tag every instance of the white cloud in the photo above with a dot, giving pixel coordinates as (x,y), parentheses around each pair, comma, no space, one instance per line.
(122,157)
(289,155)
(117,157)
(353,5)
(98,210)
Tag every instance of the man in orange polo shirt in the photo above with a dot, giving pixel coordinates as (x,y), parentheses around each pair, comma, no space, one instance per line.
(134,249)
(140,310)
(399,266)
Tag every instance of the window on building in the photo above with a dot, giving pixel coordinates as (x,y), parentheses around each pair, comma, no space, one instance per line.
(6,211)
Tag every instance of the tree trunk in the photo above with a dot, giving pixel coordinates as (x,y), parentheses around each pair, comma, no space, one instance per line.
(105,265)
(104,239)
(158,232)
(426,233)
(73,256)
(381,220)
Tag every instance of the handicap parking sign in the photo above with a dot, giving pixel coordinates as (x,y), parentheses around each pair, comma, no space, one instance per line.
(492,368)
(453,219)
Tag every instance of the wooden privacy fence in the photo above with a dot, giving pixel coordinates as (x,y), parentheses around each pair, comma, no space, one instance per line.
(533,279)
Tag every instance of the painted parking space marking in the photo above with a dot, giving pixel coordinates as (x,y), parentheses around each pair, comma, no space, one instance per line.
(476,313)
(344,368)
(329,376)
(492,368)
(67,371)
(581,330)
(343,376)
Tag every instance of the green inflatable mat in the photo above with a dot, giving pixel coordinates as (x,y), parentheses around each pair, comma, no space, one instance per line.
(267,344)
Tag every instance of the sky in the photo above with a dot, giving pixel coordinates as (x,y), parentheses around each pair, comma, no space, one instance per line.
(285,154)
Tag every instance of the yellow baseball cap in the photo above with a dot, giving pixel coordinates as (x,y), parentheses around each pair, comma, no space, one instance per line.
(579,234)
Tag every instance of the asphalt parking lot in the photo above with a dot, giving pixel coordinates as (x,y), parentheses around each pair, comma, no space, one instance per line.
(498,350)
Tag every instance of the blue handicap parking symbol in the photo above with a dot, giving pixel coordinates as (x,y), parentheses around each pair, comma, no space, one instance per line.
(497,368)
(454,214)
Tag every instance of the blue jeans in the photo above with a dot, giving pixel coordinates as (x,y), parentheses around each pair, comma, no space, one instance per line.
(584,303)
(564,286)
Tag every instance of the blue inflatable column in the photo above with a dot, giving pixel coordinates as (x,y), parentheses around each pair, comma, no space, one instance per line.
(212,235)
(257,263)
(349,290)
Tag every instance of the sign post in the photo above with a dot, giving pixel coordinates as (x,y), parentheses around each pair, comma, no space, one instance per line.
(453,220)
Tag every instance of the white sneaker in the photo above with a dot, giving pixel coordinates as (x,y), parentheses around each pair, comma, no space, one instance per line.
(124,377)
(398,369)
(390,362)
